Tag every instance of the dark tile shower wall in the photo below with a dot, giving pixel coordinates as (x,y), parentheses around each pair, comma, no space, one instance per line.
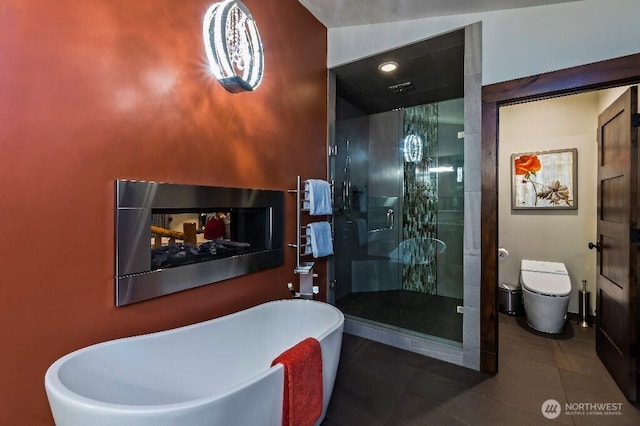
(351,166)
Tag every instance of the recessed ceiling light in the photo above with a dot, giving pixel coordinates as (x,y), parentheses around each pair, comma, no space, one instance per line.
(388,66)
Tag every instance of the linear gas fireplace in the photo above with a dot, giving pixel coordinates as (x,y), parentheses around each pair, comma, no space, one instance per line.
(172,237)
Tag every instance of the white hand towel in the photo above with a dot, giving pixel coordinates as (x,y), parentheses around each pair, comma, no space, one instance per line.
(318,197)
(319,234)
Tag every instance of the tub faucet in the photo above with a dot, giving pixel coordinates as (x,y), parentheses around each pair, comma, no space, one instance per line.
(307,289)
(291,289)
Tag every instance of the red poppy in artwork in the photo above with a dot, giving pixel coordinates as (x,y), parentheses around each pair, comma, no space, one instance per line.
(527,164)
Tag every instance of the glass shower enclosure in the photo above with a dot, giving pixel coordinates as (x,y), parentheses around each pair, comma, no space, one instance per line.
(399,219)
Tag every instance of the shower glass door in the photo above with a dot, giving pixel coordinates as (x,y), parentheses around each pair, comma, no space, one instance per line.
(399,195)
(368,189)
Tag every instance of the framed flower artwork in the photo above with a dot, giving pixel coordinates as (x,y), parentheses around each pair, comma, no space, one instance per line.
(545,180)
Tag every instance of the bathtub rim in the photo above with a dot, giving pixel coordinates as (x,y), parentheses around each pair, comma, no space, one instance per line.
(55,387)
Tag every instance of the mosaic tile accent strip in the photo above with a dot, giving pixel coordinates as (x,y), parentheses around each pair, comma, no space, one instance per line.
(420,200)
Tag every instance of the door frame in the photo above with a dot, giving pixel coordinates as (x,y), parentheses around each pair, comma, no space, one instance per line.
(596,76)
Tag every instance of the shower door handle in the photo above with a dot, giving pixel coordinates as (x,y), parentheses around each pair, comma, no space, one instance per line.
(345,193)
(390,218)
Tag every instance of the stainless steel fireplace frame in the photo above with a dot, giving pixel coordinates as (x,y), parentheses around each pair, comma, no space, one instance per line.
(137,200)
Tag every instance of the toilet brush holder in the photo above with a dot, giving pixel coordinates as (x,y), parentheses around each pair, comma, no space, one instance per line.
(584,308)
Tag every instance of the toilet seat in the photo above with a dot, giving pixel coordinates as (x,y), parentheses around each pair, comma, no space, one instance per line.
(546,284)
(545,278)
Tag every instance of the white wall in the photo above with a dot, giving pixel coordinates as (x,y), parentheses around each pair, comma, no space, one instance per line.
(515,43)
(567,122)
(559,236)
(606,97)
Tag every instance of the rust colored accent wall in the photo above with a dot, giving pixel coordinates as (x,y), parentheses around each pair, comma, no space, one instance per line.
(93,91)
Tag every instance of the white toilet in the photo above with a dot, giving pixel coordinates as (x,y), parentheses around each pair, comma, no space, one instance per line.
(546,289)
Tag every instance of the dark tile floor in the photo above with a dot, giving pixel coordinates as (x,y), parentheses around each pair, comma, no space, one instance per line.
(381,385)
(425,313)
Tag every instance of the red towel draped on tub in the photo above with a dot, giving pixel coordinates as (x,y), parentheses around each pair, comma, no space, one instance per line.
(302,401)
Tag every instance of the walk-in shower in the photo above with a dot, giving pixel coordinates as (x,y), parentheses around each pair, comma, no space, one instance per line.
(401,199)
(399,170)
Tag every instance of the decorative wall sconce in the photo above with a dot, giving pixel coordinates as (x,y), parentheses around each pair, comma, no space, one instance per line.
(233,46)
(412,148)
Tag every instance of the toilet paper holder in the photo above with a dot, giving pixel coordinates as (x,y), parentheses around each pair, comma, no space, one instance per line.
(502,253)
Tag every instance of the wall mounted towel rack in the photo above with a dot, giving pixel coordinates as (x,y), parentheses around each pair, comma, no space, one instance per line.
(302,239)
(304,269)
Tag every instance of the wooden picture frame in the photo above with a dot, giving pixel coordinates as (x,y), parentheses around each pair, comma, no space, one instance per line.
(545,180)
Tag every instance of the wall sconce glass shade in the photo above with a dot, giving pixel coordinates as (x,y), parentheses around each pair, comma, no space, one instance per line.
(412,148)
(233,46)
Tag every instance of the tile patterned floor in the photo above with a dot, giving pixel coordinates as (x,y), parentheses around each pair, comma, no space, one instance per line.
(381,385)
(425,313)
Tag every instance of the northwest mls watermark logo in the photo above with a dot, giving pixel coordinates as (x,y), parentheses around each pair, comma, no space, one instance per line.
(594,408)
(551,409)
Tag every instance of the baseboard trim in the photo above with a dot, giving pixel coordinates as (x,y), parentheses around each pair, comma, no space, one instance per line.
(572,316)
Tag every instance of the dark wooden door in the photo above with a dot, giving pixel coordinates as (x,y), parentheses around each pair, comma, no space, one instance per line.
(617,254)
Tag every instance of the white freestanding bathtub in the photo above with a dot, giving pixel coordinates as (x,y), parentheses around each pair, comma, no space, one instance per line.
(217,372)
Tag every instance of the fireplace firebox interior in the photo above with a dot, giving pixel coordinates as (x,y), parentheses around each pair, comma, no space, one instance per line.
(172,237)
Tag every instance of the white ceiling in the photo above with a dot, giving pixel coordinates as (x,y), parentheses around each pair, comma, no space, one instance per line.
(342,13)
